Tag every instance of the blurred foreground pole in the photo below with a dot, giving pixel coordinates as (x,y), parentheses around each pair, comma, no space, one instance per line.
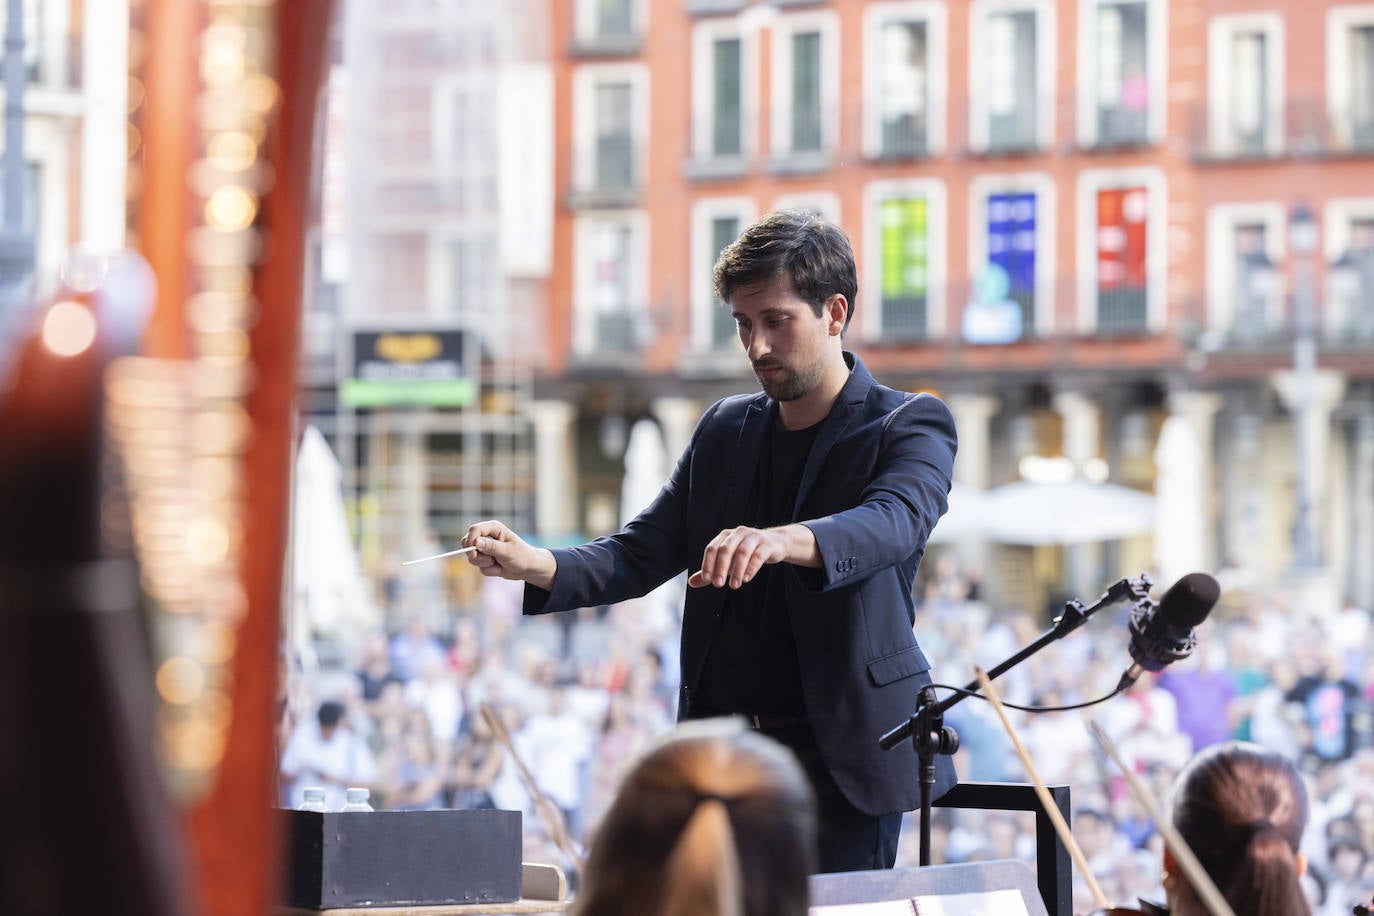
(221,216)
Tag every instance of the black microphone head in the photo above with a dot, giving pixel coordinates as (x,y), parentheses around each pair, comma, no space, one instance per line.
(1189,600)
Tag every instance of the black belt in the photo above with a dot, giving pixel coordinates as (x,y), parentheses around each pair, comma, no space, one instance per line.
(765,722)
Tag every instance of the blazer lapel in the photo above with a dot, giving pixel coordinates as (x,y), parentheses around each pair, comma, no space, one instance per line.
(744,463)
(852,396)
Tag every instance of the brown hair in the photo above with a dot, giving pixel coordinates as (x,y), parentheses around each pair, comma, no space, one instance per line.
(716,821)
(1242,809)
(811,252)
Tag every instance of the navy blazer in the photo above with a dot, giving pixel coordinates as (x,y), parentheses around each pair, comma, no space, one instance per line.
(875,484)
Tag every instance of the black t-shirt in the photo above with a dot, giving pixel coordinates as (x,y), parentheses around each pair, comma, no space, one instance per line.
(752,663)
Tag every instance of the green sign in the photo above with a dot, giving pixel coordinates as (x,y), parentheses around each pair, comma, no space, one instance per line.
(407,392)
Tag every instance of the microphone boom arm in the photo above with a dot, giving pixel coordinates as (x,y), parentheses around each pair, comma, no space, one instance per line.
(1074,616)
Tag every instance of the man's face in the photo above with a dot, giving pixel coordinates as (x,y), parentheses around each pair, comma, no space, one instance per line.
(787,344)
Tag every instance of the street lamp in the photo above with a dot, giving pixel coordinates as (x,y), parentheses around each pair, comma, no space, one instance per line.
(1302,240)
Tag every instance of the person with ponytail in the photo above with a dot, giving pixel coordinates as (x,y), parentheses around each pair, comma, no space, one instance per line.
(717,820)
(1242,809)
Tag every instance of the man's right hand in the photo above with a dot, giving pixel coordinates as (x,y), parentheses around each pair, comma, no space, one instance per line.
(500,552)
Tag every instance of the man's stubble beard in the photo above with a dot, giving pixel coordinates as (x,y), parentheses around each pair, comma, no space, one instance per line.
(793,384)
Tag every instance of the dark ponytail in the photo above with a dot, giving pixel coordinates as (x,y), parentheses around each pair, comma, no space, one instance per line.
(1242,810)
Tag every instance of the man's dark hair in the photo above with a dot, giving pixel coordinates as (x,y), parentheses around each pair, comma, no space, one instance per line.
(811,252)
(330,713)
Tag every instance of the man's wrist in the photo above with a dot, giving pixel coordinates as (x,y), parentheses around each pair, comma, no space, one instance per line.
(546,567)
(800,545)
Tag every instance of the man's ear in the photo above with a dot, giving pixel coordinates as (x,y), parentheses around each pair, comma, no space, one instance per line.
(836,311)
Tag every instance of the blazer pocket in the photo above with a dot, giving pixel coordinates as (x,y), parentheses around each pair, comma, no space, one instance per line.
(894,667)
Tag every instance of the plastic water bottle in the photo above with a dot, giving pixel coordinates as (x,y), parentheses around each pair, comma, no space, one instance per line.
(356,799)
(313,799)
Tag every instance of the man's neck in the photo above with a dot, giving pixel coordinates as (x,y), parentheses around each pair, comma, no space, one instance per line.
(813,407)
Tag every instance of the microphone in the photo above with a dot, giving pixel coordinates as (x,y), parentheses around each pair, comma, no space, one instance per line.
(1163,633)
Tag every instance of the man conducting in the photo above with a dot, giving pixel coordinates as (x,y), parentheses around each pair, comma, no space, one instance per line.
(802,514)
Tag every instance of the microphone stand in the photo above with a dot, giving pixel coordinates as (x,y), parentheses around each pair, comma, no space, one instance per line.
(926,727)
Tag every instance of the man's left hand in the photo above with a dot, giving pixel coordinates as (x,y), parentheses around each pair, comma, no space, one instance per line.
(736,555)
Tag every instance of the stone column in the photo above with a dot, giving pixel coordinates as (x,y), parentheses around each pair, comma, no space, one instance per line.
(1082,426)
(677,417)
(1361,579)
(555,467)
(972,420)
(1198,409)
(1082,441)
(1311,405)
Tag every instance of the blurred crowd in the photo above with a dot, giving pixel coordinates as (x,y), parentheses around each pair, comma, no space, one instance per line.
(582,694)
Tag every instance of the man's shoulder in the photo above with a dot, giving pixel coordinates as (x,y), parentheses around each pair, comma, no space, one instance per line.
(734,407)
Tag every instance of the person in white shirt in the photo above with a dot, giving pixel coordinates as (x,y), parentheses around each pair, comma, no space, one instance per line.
(326,753)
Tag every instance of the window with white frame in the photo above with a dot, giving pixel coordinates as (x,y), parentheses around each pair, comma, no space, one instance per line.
(722,89)
(805,83)
(1122,224)
(1350,74)
(610,108)
(1245,85)
(904,232)
(1011,238)
(463,269)
(610,283)
(1011,75)
(1121,71)
(1244,247)
(904,75)
(716,222)
(1349,311)
(608,19)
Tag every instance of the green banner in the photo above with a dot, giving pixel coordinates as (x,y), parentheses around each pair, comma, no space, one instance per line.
(407,392)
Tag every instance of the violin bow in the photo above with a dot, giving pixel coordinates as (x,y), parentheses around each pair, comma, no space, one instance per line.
(1183,854)
(544,807)
(1043,793)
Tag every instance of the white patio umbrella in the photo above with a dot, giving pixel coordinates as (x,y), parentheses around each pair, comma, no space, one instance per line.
(1179,523)
(330,594)
(646,468)
(966,518)
(1066,512)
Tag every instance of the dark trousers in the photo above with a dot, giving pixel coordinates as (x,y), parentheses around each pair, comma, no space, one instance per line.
(850,840)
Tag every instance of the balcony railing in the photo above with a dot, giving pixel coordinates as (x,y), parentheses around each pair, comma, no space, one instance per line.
(1308,128)
(609,173)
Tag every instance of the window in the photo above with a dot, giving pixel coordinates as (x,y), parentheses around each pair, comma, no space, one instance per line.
(1350,279)
(904,263)
(1245,85)
(805,84)
(723,90)
(1012,230)
(1350,75)
(463,269)
(610,283)
(1244,252)
(715,223)
(1011,75)
(1121,72)
(607,25)
(614,17)
(609,102)
(904,60)
(1121,250)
